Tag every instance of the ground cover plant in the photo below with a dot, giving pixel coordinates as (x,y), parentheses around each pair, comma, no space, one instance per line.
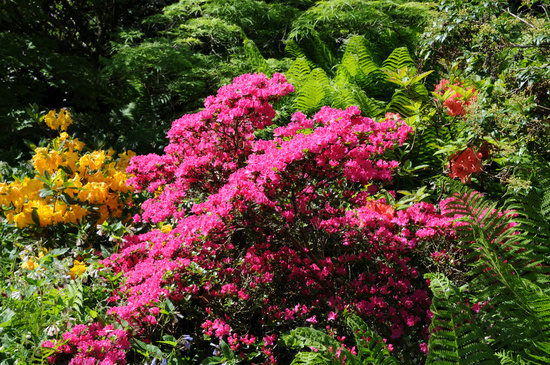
(344,195)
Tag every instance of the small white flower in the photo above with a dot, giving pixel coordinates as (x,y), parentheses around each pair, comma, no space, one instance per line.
(52,330)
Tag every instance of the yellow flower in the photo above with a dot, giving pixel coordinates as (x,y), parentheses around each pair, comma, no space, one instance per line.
(29,265)
(42,253)
(166,228)
(61,121)
(78,269)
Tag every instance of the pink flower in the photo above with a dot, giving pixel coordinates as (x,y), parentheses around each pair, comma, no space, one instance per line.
(312,319)
(269,340)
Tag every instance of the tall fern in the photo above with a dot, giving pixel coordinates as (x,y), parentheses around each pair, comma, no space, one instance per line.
(313,91)
(357,77)
(509,260)
(298,72)
(293,50)
(357,64)
(255,57)
(455,337)
(398,59)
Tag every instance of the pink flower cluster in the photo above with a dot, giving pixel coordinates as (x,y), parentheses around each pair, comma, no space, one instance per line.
(278,233)
(206,147)
(91,345)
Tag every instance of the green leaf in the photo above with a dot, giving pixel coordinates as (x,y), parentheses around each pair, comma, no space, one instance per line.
(35,217)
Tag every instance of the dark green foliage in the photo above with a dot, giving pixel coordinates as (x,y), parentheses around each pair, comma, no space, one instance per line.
(258,61)
(51,56)
(385,25)
(128,72)
(358,81)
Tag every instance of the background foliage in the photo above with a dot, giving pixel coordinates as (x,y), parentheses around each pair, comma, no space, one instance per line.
(126,69)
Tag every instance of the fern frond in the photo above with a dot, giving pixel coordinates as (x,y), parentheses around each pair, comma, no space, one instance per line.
(293,50)
(455,337)
(506,268)
(540,354)
(370,346)
(309,358)
(320,343)
(298,73)
(398,59)
(255,57)
(509,358)
(544,180)
(313,91)
(402,104)
(345,94)
(357,64)
(425,145)
(369,106)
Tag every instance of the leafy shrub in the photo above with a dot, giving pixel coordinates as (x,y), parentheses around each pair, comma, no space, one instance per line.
(268,235)
(69,184)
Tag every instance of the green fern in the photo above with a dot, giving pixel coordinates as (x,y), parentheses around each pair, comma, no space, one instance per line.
(310,358)
(357,64)
(320,343)
(293,50)
(509,269)
(398,59)
(298,72)
(402,104)
(455,337)
(357,78)
(313,91)
(345,94)
(371,347)
(255,57)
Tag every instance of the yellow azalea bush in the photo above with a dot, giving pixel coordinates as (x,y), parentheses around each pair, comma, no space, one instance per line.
(68,183)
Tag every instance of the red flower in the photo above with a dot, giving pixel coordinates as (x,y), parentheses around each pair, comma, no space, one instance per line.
(464,163)
(454,107)
(381,208)
(455,101)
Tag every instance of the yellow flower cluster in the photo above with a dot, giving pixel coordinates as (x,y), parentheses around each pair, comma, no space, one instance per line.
(60,121)
(31,263)
(68,183)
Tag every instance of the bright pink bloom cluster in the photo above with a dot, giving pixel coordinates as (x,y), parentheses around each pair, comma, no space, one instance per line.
(270,235)
(206,147)
(91,345)
(454,103)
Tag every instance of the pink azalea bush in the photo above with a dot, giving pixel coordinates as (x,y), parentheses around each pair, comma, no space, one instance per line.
(273,234)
